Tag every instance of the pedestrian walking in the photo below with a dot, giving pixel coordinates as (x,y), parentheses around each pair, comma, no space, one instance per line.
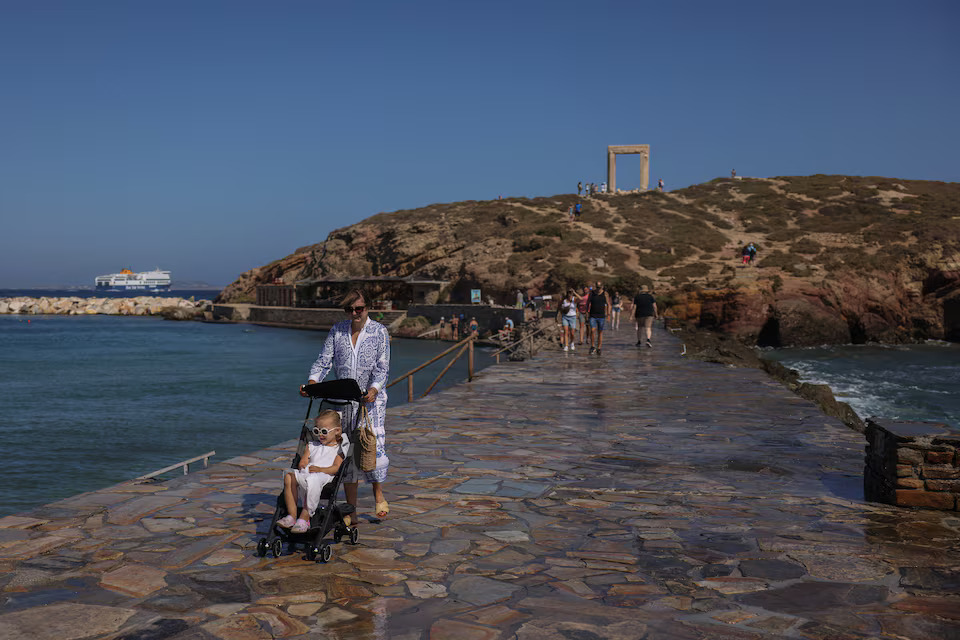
(568,319)
(617,303)
(583,305)
(359,348)
(599,310)
(644,312)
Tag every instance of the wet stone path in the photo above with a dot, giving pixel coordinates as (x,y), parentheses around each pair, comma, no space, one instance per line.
(637,494)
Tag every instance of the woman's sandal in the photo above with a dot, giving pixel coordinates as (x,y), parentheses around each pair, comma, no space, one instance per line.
(382,509)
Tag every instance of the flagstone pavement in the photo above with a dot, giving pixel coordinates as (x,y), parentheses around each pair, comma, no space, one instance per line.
(636,494)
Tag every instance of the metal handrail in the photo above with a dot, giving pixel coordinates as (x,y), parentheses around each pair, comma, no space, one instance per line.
(185,464)
(464,345)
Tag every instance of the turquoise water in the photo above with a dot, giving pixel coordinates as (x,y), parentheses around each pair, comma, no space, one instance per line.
(897,382)
(98,400)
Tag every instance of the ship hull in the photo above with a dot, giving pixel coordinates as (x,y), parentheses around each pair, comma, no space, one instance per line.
(129,281)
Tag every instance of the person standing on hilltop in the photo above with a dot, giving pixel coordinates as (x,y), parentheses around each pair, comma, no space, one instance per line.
(660,184)
(576,210)
(733,174)
(579,187)
(599,310)
(644,312)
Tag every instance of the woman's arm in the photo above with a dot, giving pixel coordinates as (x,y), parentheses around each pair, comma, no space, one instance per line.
(381,367)
(324,361)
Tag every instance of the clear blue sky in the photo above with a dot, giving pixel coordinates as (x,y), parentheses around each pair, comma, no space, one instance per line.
(211,137)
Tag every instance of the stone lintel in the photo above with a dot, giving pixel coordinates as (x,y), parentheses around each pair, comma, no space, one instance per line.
(628,148)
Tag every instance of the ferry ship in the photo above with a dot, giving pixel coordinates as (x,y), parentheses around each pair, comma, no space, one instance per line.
(126,280)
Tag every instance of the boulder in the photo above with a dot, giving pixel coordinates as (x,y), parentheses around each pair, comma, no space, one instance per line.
(805,321)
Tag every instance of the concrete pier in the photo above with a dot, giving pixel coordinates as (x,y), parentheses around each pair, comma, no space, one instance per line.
(637,494)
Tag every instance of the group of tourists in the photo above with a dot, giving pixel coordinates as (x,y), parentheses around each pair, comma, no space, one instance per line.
(591,188)
(748,254)
(587,313)
(457,321)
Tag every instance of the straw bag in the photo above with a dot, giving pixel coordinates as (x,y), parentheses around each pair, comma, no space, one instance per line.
(366,442)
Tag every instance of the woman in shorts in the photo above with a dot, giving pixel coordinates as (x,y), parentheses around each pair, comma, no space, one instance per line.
(617,306)
(568,318)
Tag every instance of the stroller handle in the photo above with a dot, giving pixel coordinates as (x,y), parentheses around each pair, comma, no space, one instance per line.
(345,389)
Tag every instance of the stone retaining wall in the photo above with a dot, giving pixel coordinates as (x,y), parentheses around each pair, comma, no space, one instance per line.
(75,306)
(292,317)
(913,464)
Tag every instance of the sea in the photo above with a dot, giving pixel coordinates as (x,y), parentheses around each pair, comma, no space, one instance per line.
(918,382)
(90,401)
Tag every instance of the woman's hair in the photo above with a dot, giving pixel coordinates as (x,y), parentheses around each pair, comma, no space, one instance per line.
(352,296)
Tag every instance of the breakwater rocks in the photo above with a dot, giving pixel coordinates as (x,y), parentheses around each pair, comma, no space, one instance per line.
(170,308)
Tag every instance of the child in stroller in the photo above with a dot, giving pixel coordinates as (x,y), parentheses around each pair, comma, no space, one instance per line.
(323,513)
(321,460)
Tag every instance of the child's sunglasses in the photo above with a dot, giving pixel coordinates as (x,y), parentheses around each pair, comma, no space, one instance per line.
(321,431)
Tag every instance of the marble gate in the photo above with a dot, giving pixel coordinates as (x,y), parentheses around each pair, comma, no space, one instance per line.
(613,150)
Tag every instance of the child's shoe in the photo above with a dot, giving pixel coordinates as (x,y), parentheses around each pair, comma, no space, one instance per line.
(302,526)
(286,522)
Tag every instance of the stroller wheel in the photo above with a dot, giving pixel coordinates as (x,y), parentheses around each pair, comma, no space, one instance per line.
(277,548)
(324,553)
(354,535)
(262,547)
(312,552)
(337,534)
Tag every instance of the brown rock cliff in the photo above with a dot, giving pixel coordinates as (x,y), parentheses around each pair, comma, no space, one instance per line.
(841,258)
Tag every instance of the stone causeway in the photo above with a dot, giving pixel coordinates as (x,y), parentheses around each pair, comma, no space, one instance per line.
(637,494)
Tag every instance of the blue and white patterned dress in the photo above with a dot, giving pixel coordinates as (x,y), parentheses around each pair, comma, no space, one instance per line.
(369,364)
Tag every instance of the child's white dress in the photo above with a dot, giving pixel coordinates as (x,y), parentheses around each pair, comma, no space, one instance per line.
(312,484)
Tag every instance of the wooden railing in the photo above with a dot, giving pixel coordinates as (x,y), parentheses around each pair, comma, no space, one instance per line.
(185,464)
(465,345)
(528,336)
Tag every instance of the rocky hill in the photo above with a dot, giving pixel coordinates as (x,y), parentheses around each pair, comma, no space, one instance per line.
(841,258)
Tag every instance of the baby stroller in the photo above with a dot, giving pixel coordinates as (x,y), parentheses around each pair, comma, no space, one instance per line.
(329,514)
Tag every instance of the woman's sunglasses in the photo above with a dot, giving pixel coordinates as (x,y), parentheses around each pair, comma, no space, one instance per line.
(359,309)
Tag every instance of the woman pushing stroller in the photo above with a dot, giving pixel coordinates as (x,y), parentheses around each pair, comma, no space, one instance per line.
(359,348)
